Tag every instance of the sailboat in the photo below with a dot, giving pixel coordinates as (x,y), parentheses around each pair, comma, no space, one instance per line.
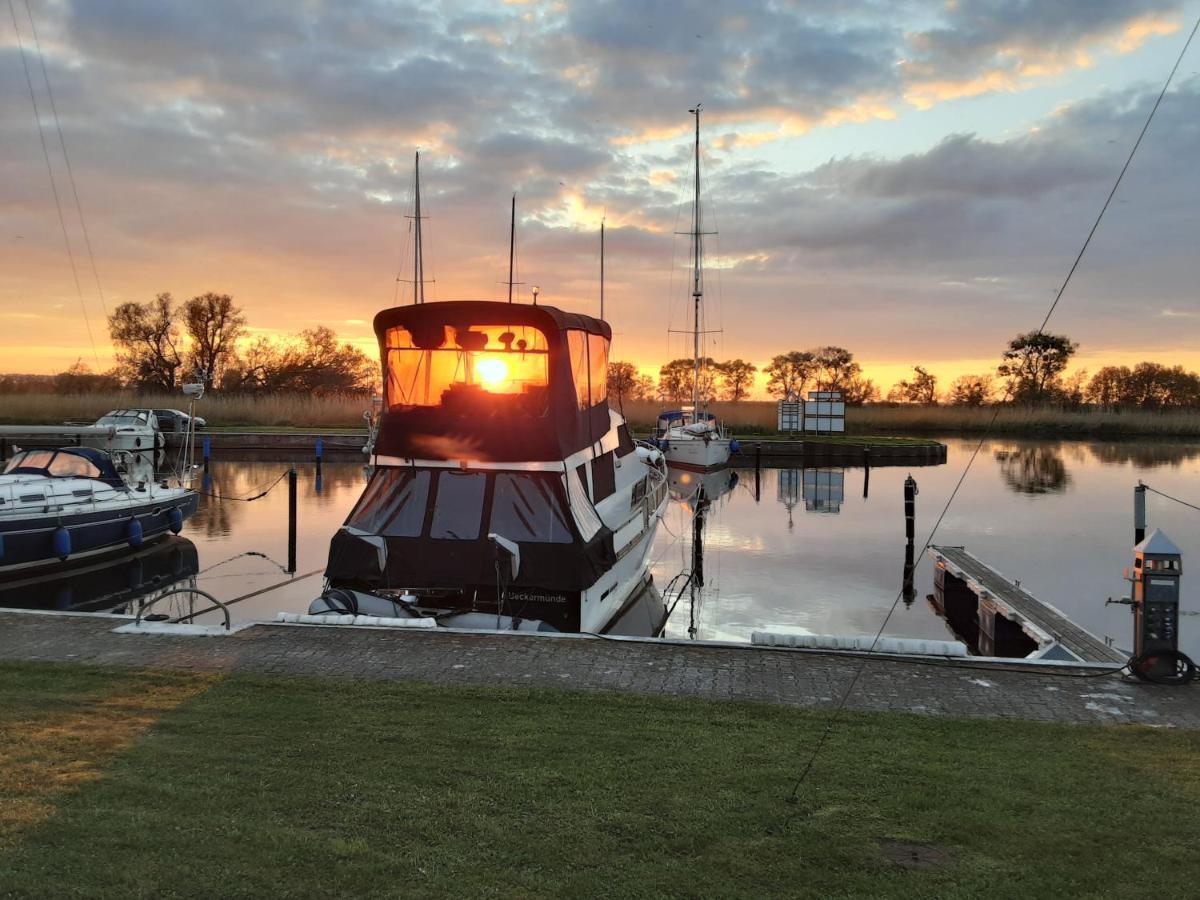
(691,437)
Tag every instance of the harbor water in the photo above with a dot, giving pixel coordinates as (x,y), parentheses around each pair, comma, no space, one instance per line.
(818,550)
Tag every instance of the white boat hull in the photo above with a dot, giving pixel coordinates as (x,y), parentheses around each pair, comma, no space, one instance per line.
(696,453)
(603,601)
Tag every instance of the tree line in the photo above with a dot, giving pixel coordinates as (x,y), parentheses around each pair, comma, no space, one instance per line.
(1032,371)
(788,375)
(160,345)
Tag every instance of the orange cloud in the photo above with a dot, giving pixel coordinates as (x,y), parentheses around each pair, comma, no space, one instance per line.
(1016,67)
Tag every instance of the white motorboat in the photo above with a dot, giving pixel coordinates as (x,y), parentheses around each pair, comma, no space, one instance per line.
(691,437)
(505,492)
(72,503)
(133,430)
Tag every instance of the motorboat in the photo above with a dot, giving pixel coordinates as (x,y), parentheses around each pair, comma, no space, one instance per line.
(127,429)
(691,437)
(78,502)
(505,493)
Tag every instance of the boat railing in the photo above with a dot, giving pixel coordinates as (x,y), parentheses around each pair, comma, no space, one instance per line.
(184,590)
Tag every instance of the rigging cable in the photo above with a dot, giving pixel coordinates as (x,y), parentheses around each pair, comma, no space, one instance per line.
(1169,497)
(823,738)
(50,172)
(87,240)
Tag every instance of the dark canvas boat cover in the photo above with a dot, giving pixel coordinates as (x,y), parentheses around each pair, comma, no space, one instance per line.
(481,380)
(428,529)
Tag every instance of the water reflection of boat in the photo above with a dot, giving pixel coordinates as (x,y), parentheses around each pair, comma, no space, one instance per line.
(686,484)
(505,492)
(114,584)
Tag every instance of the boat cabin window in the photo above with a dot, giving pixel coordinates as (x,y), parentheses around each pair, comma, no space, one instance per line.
(526,507)
(29,461)
(393,503)
(458,508)
(50,462)
(70,465)
(125,418)
(589,367)
(598,367)
(468,369)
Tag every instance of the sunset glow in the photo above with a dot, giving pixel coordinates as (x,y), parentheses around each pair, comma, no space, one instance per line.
(913,190)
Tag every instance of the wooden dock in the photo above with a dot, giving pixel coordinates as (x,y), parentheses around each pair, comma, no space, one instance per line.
(1003,607)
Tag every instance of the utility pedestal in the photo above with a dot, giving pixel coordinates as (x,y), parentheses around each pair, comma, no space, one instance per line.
(1155,580)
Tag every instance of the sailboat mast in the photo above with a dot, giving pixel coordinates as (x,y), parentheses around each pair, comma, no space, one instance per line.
(697,286)
(418,261)
(601,268)
(512,240)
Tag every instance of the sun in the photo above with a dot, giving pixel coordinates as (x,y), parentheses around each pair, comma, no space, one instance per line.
(491,372)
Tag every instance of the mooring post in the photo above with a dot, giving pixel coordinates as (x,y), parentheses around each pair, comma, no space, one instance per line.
(910,507)
(206,451)
(320,452)
(909,589)
(291,550)
(866,471)
(757,472)
(1139,513)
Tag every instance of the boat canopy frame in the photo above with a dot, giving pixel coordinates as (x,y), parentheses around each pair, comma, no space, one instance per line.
(484,428)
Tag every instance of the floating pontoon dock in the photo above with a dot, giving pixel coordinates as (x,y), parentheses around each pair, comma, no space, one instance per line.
(1004,606)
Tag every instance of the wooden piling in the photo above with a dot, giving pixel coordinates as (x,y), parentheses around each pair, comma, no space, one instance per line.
(291,548)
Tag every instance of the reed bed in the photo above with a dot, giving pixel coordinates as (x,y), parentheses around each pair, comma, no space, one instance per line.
(744,417)
(218,410)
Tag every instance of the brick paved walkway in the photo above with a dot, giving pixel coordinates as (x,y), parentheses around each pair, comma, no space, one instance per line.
(795,678)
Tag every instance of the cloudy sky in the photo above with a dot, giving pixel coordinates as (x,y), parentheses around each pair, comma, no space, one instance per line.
(910,180)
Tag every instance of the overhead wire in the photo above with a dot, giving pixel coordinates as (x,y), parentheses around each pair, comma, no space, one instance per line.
(843,699)
(87,240)
(53,184)
(1169,497)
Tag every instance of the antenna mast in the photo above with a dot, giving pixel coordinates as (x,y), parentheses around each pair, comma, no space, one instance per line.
(418,279)
(418,261)
(697,284)
(512,241)
(601,268)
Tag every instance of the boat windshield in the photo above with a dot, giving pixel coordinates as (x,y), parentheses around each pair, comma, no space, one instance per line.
(125,417)
(474,368)
(49,462)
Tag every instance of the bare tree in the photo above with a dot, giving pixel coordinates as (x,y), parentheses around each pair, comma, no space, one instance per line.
(788,373)
(921,388)
(737,378)
(146,336)
(971,390)
(213,325)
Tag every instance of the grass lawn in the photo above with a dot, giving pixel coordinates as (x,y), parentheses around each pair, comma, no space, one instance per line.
(255,786)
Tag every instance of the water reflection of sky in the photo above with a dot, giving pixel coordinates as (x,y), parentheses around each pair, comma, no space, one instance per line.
(1057,516)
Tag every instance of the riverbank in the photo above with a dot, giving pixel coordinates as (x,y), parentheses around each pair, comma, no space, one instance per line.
(123,783)
(748,418)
